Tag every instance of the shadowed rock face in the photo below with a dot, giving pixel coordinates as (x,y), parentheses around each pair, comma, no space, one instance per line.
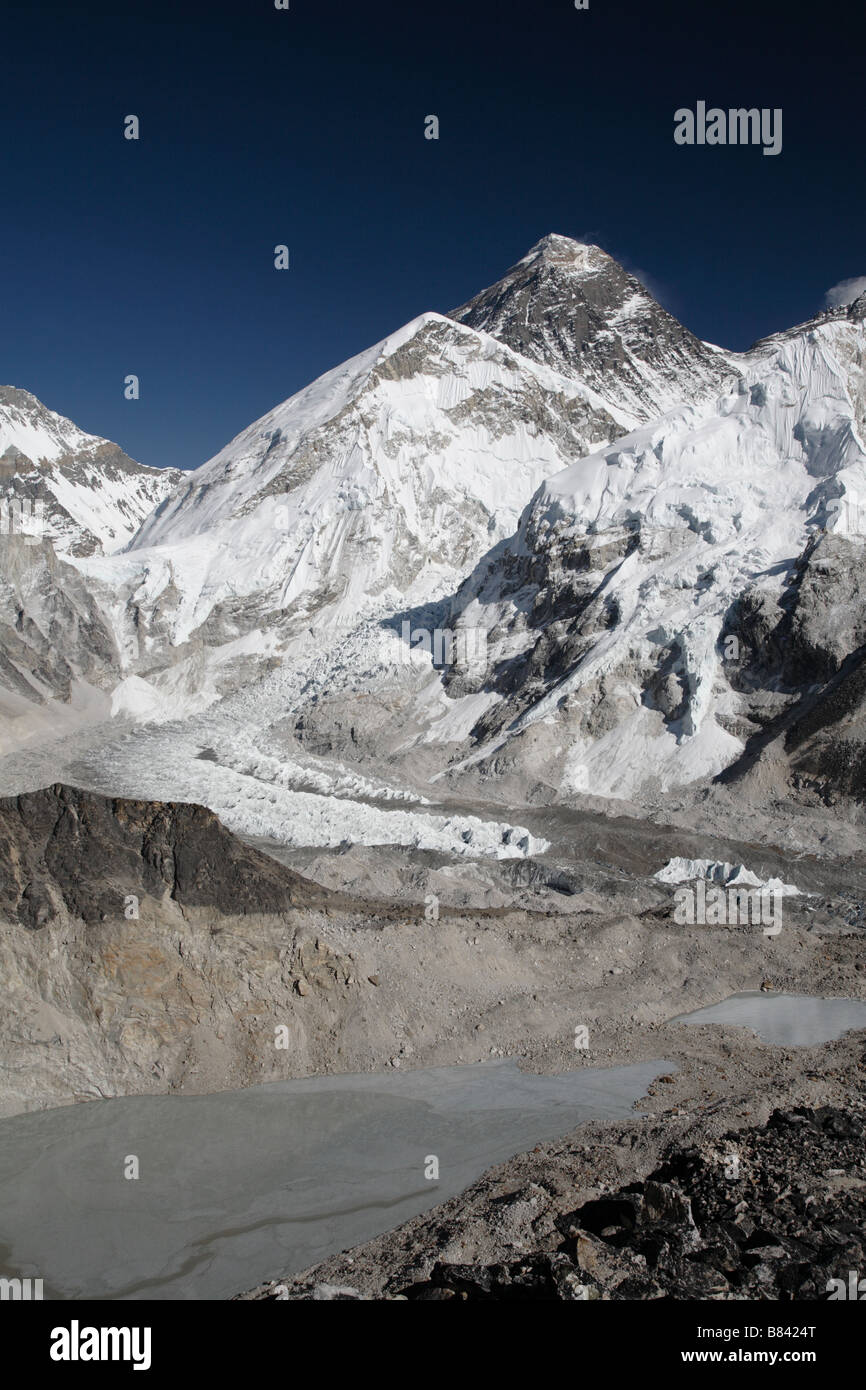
(62,849)
(802,676)
(805,637)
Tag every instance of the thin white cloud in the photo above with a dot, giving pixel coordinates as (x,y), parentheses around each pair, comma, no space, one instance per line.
(660,292)
(845,292)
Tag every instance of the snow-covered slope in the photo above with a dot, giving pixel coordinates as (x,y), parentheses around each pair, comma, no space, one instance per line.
(78,491)
(379,485)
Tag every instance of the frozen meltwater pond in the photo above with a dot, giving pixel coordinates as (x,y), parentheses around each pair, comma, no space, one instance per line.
(786,1020)
(242,1186)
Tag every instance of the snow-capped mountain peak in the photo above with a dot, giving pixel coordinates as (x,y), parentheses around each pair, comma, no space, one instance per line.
(579,257)
(27,427)
(560,472)
(78,490)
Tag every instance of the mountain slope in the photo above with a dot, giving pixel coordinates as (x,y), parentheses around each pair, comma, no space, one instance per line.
(384,480)
(79,491)
(618,618)
(145,949)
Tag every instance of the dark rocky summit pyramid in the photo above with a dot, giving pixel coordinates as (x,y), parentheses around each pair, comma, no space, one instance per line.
(574,308)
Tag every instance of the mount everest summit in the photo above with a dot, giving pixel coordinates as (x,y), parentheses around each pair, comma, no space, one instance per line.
(657,542)
(576,310)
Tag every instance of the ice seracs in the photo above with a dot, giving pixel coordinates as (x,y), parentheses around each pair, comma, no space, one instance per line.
(681,870)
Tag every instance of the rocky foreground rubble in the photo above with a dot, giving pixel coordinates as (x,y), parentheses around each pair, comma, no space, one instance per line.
(777,1212)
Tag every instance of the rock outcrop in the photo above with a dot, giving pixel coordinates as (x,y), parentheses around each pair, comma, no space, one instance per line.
(70,853)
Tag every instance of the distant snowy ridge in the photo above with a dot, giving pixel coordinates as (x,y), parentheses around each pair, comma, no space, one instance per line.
(88,496)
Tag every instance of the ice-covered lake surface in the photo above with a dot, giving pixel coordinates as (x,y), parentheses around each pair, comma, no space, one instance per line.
(787,1020)
(243,1186)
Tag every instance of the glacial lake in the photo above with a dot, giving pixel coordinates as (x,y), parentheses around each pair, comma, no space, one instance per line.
(786,1020)
(243,1186)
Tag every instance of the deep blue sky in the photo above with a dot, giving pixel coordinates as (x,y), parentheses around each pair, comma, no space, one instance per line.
(261,126)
